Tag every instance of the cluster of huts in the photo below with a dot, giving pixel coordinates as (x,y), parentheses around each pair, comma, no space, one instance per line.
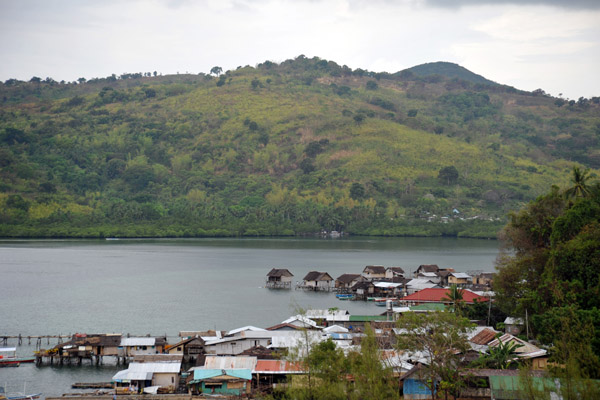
(379,281)
(252,360)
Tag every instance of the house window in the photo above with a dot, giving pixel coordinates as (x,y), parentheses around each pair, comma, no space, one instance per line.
(179,349)
(144,347)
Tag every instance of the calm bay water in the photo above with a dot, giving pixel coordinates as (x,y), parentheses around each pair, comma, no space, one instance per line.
(166,286)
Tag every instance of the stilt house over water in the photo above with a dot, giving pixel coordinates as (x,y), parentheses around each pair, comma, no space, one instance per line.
(316,280)
(279,279)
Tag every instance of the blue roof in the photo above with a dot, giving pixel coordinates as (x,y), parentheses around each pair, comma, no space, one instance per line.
(202,374)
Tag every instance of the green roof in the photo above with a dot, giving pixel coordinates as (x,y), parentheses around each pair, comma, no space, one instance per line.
(366,318)
(429,307)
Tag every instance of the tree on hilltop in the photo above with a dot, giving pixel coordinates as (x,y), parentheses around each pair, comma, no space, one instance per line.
(216,71)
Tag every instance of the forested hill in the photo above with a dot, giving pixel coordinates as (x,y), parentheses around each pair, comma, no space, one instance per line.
(281,149)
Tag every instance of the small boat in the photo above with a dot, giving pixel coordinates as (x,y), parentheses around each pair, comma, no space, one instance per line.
(343,296)
(8,357)
(18,396)
(382,302)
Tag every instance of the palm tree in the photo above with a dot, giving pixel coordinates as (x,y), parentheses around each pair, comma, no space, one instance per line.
(455,296)
(499,357)
(580,187)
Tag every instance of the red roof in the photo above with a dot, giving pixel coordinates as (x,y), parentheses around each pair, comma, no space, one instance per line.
(435,296)
(278,367)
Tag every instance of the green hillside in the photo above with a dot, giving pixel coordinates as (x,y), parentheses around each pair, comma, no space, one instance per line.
(281,149)
(449,70)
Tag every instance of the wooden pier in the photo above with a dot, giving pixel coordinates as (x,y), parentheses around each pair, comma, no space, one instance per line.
(5,338)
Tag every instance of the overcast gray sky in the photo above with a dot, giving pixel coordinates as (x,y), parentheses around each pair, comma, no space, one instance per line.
(529,44)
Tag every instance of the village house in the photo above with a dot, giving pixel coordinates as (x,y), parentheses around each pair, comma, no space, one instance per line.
(234,345)
(279,279)
(514,326)
(315,280)
(272,373)
(363,289)
(132,346)
(388,289)
(156,370)
(426,268)
(439,295)
(91,345)
(374,272)
(394,272)
(346,281)
(430,276)
(192,349)
(230,376)
(230,382)
(415,285)
(459,279)
(484,278)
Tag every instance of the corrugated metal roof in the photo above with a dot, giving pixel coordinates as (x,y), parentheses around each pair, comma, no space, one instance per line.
(341,336)
(201,374)
(484,337)
(227,362)
(322,314)
(429,307)
(461,275)
(137,341)
(366,318)
(128,375)
(302,319)
(296,339)
(335,329)
(434,295)
(245,328)
(387,284)
(156,367)
(278,367)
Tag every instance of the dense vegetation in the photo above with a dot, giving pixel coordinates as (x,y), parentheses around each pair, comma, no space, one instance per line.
(553,276)
(281,149)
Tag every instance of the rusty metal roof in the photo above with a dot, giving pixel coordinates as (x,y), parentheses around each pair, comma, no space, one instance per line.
(484,337)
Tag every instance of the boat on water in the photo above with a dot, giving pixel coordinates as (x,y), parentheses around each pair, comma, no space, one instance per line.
(8,357)
(18,396)
(382,302)
(342,296)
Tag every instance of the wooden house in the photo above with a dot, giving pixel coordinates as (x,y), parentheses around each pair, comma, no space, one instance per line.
(228,382)
(147,370)
(514,326)
(191,349)
(430,276)
(315,280)
(346,281)
(394,272)
(132,346)
(279,279)
(426,268)
(374,272)
(459,279)
(484,278)
(363,289)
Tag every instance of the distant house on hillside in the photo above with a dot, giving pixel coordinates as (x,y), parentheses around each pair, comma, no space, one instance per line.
(316,280)
(374,272)
(279,279)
